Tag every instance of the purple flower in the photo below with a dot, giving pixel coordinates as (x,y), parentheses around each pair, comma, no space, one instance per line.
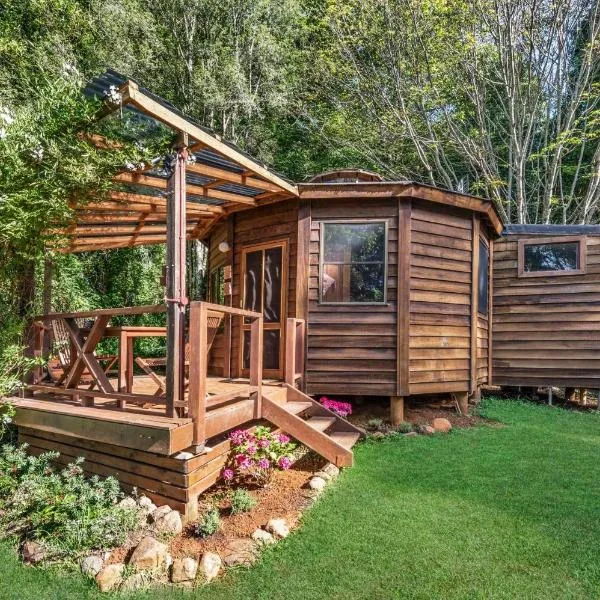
(283,439)
(264,443)
(284,462)
(228,474)
(264,463)
(251,450)
(238,437)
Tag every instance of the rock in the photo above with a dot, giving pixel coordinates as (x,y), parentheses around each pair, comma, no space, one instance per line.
(263,537)
(184,455)
(278,527)
(127,502)
(184,569)
(168,561)
(33,552)
(316,483)
(428,430)
(109,577)
(411,434)
(92,565)
(322,475)
(442,425)
(331,470)
(160,512)
(147,504)
(170,523)
(239,552)
(135,581)
(149,554)
(210,565)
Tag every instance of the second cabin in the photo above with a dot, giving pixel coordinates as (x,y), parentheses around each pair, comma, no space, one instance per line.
(390,279)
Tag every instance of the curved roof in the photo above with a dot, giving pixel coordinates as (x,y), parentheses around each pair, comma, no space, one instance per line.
(345,176)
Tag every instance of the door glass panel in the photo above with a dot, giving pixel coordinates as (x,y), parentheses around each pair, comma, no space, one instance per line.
(272,285)
(253,282)
(271,345)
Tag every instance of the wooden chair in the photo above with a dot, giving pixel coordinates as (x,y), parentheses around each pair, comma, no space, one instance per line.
(59,365)
(214,321)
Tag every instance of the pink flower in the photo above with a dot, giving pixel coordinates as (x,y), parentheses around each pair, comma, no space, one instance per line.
(238,437)
(284,463)
(228,474)
(251,450)
(343,409)
(283,439)
(264,463)
(240,458)
(264,443)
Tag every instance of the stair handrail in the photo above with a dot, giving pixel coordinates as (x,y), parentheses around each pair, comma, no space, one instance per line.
(294,355)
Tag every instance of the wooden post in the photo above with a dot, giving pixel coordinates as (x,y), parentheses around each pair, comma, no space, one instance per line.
(403,308)
(474,301)
(462,398)
(176,292)
(583,396)
(396,409)
(290,352)
(198,371)
(256,363)
(549,395)
(47,296)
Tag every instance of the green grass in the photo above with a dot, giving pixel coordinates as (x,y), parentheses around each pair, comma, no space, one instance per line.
(490,512)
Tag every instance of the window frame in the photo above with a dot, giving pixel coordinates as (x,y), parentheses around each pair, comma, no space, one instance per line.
(485,243)
(581,240)
(322,262)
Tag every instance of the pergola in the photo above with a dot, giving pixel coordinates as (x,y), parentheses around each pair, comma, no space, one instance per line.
(204,180)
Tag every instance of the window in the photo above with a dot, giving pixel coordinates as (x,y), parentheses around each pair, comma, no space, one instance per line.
(552,256)
(353,262)
(483,276)
(217,286)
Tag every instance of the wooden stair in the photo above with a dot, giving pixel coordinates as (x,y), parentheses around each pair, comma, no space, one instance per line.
(309,422)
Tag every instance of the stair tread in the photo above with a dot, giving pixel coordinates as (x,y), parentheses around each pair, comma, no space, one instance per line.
(297,407)
(347,439)
(320,423)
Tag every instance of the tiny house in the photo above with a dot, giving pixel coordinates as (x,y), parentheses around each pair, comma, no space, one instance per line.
(390,278)
(547,306)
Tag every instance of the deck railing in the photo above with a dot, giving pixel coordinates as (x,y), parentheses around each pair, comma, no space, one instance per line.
(295,333)
(197,399)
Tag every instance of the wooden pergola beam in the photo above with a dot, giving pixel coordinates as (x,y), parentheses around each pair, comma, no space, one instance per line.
(228,176)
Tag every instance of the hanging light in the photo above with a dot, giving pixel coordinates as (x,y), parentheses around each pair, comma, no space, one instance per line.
(223,247)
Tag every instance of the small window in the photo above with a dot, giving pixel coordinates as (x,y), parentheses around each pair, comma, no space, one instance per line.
(554,256)
(353,262)
(484,284)
(217,286)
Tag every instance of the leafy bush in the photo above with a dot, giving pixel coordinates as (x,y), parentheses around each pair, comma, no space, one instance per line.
(255,455)
(404,427)
(209,522)
(66,511)
(241,501)
(374,424)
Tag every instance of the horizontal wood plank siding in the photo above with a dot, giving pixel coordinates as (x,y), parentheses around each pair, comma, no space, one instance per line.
(440,299)
(351,349)
(546,330)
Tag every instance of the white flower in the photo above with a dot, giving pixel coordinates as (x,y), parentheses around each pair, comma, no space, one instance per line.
(130,166)
(38,154)
(112,95)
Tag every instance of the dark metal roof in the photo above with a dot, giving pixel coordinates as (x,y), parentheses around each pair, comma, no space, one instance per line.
(551,230)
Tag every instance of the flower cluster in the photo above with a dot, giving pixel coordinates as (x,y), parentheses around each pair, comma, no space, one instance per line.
(255,455)
(342,409)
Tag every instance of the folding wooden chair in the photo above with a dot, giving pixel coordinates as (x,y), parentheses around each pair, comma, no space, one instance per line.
(59,365)
(214,321)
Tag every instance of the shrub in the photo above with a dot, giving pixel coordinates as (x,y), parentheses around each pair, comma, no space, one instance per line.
(66,511)
(254,456)
(209,522)
(342,409)
(241,501)
(375,424)
(404,427)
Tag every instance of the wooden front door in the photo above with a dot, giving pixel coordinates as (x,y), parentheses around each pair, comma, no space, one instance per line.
(264,269)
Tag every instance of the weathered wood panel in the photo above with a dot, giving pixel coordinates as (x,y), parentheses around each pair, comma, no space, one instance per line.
(546,330)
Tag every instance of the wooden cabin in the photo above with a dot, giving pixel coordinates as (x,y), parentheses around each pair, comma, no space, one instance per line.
(547,307)
(391,280)
(347,285)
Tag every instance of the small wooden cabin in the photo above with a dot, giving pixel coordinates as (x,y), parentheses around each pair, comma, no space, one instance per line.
(391,279)
(547,306)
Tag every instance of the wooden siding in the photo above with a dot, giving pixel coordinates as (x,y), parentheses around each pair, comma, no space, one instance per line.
(440,299)
(352,348)
(546,330)
(483,322)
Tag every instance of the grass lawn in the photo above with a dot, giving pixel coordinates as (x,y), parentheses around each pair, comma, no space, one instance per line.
(490,512)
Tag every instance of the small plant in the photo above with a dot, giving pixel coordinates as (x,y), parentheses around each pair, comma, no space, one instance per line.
(342,409)
(241,501)
(254,456)
(209,522)
(375,424)
(404,427)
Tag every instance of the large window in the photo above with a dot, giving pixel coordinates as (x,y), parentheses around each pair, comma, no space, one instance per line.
(353,262)
(552,256)
(484,278)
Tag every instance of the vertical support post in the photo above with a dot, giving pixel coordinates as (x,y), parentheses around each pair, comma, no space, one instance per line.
(290,351)
(47,296)
(256,363)
(302,275)
(474,300)
(176,292)
(198,371)
(550,395)
(490,309)
(403,308)
(396,409)
(462,399)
